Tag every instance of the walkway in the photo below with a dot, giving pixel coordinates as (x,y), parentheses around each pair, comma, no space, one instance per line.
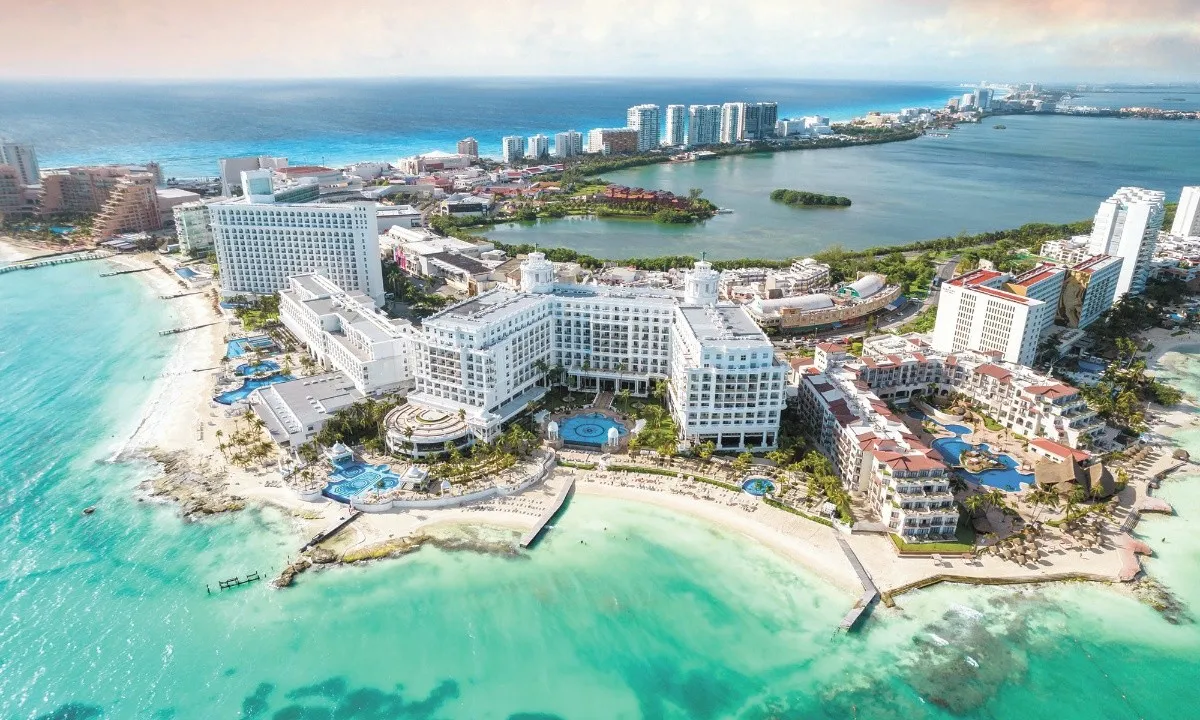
(326,534)
(870,592)
(529,537)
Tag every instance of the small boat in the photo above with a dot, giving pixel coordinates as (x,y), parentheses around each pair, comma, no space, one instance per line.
(89,510)
(999,127)
(724,211)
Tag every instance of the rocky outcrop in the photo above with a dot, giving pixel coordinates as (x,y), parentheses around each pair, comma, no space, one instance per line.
(198,489)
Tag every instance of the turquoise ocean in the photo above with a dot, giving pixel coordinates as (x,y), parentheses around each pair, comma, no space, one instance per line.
(653,615)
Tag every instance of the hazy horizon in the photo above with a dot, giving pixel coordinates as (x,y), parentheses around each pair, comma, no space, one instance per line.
(1048,41)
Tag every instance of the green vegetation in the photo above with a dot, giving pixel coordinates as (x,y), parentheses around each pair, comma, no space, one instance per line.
(800,198)
(1169,213)
(361,423)
(577,466)
(1123,390)
(246,445)
(403,289)
(659,433)
(930,547)
(259,312)
(922,323)
(801,513)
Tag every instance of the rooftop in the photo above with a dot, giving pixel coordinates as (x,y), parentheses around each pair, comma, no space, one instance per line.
(722,322)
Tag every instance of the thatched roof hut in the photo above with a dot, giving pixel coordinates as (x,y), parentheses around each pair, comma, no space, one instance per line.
(1063,477)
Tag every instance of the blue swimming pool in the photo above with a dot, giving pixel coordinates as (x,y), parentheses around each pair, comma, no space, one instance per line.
(61,229)
(186,273)
(249,385)
(241,346)
(263,367)
(952,448)
(356,478)
(590,429)
(758,485)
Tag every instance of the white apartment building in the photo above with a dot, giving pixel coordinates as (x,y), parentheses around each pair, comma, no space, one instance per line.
(24,159)
(1127,226)
(1043,282)
(731,113)
(1068,251)
(538,147)
(676,131)
(1187,215)
(704,125)
(512,148)
(1088,290)
(644,119)
(344,330)
(192,226)
(261,243)
(974,313)
(568,144)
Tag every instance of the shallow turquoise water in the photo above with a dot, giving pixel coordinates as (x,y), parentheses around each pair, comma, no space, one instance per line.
(624,611)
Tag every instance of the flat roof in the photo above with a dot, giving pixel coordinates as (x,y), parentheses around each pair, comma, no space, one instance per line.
(722,322)
(487,308)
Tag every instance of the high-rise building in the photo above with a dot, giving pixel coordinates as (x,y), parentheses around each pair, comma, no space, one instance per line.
(613,141)
(12,200)
(469,147)
(132,206)
(731,113)
(260,243)
(1187,215)
(967,102)
(676,132)
(193,227)
(23,158)
(644,119)
(232,169)
(538,147)
(512,148)
(704,125)
(1127,226)
(977,311)
(1089,290)
(768,115)
(983,98)
(568,144)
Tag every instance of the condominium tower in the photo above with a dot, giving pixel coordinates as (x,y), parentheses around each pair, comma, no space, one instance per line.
(568,144)
(731,113)
(1187,215)
(704,125)
(644,119)
(260,243)
(468,147)
(538,147)
(1127,226)
(512,148)
(676,132)
(23,158)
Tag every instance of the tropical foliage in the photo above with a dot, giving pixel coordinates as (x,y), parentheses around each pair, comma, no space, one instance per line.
(801,198)
(360,423)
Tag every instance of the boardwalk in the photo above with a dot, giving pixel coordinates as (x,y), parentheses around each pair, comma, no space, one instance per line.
(870,592)
(529,537)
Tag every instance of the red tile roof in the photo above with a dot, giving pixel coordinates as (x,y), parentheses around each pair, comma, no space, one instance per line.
(1002,295)
(994,371)
(1059,450)
(833,347)
(1053,392)
(975,277)
(907,461)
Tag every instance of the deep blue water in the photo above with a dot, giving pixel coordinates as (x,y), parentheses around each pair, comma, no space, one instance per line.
(188,126)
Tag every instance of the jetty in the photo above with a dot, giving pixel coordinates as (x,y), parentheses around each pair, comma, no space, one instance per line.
(561,497)
(54,260)
(179,295)
(127,272)
(236,581)
(176,331)
(870,593)
(330,532)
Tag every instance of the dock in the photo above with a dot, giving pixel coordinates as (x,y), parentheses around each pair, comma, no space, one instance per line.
(870,593)
(236,581)
(176,331)
(330,532)
(127,272)
(530,537)
(55,260)
(179,295)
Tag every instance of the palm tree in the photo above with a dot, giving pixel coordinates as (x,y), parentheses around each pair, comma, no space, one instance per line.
(742,463)
(667,450)
(973,503)
(624,396)
(705,450)
(779,457)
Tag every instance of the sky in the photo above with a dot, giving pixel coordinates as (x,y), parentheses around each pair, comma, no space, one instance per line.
(992,40)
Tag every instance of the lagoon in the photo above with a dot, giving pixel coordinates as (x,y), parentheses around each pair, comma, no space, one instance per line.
(1041,169)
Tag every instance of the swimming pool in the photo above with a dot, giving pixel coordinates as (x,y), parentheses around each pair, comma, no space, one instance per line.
(241,346)
(186,273)
(590,429)
(952,448)
(757,485)
(249,385)
(356,478)
(262,367)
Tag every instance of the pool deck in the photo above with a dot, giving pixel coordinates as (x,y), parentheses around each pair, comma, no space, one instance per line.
(530,537)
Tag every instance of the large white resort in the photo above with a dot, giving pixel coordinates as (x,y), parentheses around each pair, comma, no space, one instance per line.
(475,366)
(846,401)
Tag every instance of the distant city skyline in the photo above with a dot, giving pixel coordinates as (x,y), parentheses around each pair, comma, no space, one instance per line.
(1095,41)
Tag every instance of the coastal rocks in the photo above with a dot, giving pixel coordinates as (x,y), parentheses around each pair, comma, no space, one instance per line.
(290,572)
(197,489)
(1158,596)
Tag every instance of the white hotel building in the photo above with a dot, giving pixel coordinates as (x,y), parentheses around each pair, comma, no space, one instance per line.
(487,357)
(1127,226)
(345,331)
(261,243)
(991,311)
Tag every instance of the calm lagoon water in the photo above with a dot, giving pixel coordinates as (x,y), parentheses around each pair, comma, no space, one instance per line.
(652,616)
(1040,169)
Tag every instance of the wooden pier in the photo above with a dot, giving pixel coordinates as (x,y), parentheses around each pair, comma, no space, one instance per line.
(127,272)
(176,331)
(870,593)
(236,581)
(54,260)
(326,534)
(179,295)
(530,537)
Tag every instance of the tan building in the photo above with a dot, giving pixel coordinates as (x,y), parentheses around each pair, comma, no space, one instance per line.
(12,199)
(612,141)
(86,189)
(132,206)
